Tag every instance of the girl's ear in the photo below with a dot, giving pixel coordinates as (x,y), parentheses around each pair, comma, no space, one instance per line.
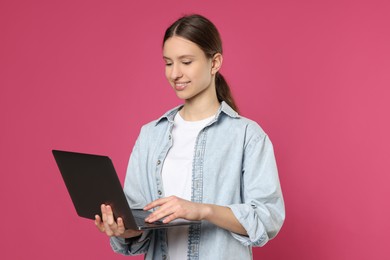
(216,63)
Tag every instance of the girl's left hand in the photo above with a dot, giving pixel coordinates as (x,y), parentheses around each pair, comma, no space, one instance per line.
(173,207)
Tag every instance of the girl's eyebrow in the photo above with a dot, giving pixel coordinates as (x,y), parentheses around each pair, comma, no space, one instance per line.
(180,57)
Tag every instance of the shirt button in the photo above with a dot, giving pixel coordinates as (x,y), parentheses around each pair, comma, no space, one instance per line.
(158,162)
(170,137)
(159,192)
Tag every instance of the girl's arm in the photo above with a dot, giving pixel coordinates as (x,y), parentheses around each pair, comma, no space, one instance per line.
(173,207)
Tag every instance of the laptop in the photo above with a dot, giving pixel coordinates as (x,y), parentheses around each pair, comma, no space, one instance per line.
(91,181)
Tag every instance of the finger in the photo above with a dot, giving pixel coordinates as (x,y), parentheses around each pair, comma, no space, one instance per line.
(108,220)
(155,203)
(111,221)
(120,227)
(169,218)
(98,223)
(164,211)
(175,211)
(104,227)
(110,216)
(104,213)
(160,202)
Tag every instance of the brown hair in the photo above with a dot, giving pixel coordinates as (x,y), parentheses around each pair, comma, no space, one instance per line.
(203,32)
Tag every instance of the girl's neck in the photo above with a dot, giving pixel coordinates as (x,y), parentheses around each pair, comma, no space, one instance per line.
(195,111)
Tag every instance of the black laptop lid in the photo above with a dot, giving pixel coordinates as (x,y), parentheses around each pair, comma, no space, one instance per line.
(91,180)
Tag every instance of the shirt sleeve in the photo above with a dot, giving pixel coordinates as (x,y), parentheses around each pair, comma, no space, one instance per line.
(262,212)
(132,246)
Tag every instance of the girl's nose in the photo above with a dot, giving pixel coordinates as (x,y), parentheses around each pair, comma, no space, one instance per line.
(176,72)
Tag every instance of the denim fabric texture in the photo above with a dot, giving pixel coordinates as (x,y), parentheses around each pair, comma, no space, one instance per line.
(234,166)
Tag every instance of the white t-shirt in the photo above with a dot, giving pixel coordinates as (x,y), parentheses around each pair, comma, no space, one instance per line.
(177,176)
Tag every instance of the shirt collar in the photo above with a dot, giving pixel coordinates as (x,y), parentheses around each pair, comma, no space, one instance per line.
(223,108)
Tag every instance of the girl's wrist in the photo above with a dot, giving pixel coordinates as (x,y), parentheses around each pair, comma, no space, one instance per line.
(206,212)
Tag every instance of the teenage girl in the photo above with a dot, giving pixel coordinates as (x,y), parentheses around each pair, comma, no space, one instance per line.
(199,161)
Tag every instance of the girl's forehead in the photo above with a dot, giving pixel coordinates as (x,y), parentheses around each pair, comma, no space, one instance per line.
(178,46)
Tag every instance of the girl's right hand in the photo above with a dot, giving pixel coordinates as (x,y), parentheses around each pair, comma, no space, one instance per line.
(110,227)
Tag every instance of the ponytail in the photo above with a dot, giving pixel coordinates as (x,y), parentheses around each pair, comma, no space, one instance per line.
(223,91)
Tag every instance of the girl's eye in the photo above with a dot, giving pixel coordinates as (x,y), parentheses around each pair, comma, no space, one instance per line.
(168,64)
(187,62)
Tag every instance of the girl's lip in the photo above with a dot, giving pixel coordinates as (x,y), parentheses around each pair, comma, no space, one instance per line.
(181,85)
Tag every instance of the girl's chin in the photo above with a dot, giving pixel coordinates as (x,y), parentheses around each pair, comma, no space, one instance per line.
(184,95)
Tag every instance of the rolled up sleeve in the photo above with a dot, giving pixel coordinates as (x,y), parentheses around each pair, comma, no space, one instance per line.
(262,212)
(133,246)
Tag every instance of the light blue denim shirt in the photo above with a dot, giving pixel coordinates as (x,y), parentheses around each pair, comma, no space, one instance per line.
(234,166)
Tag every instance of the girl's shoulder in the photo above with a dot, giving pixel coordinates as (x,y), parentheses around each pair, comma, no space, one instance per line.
(241,123)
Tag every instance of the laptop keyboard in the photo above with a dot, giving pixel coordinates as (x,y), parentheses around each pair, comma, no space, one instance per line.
(139,221)
(140,215)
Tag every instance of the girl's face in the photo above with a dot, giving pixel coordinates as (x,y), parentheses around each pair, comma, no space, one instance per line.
(188,70)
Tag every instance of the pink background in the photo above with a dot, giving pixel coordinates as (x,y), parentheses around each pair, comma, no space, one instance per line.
(85,75)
